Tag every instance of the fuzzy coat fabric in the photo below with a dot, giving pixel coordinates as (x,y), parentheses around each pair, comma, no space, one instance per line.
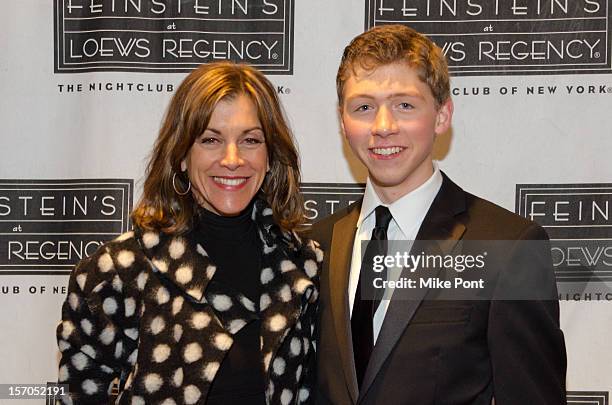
(145,309)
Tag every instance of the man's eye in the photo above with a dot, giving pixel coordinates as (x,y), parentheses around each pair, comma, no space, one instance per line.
(364,107)
(405,106)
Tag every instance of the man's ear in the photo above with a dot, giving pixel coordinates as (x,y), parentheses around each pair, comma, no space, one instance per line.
(444,117)
(341,121)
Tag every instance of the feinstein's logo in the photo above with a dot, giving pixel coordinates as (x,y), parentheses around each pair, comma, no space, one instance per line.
(175,36)
(483,37)
(578,220)
(49,225)
(323,199)
(587,397)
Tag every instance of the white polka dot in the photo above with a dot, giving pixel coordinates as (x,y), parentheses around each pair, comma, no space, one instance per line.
(222,341)
(191,394)
(63,345)
(201,250)
(319,254)
(163,295)
(133,357)
(106,369)
(86,326)
(311,268)
(67,329)
(285,293)
(184,274)
(278,366)
(192,352)
(88,350)
(141,280)
(153,382)
(89,387)
(267,275)
(109,306)
(161,353)
(306,345)
(287,265)
(81,279)
(277,323)
(157,325)
(286,397)
(107,335)
(270,389)
(247,303)
(79,361)
(176,249)
(150,239)
(132,333)
(269,249)
(160,265)
(105,263)
(124,236)
(298,373)
(304,394)
(195,292)
(125,258)
(264,302)
(117,284)
(200,320)
(177,304)
(301,285)
(210,271)
(130,306)
(137,400)
(178,332)
(177,377)
(73,300)
(267,212)
(267,359)
(210,370)
(222,302)
(99,287)
(118,349)
(236,325)
(295,346)
(168,401)
(63,373)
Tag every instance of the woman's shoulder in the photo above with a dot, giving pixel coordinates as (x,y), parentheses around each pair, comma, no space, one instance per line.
(113,262)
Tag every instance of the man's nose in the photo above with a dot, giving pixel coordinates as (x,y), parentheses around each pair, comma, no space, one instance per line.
(384,123)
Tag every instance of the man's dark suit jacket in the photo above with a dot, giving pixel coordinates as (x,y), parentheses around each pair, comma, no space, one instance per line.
(443,352)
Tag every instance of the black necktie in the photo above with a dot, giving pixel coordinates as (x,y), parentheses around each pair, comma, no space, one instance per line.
(364,309)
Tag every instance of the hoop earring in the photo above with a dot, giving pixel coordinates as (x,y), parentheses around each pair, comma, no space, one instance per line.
(176,190)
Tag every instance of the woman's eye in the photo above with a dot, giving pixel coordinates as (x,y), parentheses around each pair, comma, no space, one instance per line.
(209,140)
(252,141)
(405,106)
(364,107)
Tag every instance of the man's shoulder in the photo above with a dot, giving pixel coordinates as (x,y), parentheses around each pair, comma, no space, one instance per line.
(323,228)
(496,222)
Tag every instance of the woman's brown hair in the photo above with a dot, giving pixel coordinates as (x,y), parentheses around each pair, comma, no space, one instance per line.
(188,114)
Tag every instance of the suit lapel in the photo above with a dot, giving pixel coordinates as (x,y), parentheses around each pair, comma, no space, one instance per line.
(343,237)
(440,224)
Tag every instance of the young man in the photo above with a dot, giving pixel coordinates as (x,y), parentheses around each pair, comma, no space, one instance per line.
(394,99)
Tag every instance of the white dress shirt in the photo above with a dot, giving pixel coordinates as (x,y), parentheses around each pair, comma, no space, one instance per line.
(408,213)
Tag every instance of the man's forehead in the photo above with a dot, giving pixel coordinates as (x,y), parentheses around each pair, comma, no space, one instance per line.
(396,78)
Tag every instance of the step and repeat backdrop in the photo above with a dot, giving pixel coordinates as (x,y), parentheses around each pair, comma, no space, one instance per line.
(85,83)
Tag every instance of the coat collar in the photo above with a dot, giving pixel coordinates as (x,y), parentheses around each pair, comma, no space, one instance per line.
(288,264)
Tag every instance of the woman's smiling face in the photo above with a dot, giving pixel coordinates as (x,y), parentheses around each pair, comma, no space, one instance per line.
(227,163)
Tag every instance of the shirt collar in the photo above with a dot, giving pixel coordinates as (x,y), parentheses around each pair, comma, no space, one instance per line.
(410,209)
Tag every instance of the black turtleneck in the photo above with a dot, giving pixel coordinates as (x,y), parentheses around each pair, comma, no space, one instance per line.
(233,245)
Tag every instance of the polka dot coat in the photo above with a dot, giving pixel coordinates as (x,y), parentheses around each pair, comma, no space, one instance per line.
(145,311)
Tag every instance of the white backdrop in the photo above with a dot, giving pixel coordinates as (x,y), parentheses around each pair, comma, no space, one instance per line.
(50,131)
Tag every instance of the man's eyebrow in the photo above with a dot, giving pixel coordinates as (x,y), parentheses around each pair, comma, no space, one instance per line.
(415,94)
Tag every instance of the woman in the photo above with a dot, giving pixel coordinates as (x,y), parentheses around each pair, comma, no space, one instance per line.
(211,298)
